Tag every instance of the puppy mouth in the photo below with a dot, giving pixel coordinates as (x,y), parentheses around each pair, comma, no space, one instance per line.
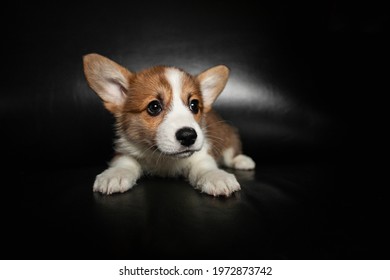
(181,154)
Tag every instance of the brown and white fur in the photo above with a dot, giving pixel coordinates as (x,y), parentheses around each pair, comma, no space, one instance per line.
(165,126)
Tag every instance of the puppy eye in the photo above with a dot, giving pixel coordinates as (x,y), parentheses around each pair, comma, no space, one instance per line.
(154,108)
(194,106)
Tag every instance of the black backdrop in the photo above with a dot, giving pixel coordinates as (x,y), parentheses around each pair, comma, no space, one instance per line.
(305,82)
(278,53)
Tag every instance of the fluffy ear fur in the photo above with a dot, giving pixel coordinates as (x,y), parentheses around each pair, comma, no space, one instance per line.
(108,79)
(212,82)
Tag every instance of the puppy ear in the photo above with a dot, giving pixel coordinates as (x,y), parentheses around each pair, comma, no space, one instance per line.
(212,82)
(108,79)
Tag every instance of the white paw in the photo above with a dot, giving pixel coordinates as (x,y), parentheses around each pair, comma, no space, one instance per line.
(218,182)
(243,162)
(114,179)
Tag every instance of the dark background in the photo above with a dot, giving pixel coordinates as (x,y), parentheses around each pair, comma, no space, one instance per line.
(306,91)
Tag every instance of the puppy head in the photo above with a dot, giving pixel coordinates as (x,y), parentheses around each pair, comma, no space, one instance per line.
(157,109)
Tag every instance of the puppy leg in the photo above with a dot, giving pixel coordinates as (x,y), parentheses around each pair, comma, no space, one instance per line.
(121,176)
(208,178)
(225,144)
(237,161)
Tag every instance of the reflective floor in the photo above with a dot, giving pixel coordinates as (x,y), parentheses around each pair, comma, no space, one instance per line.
(282,212)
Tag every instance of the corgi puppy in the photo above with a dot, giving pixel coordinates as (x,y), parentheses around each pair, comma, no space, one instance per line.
(165,126)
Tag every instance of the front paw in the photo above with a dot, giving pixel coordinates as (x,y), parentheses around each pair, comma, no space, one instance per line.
(114,180)
(218,182)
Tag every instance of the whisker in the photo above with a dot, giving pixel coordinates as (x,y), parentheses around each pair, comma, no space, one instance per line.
(214,137)
(148,149)
(214,123)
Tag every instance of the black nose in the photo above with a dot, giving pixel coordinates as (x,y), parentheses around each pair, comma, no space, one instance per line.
(186,136)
